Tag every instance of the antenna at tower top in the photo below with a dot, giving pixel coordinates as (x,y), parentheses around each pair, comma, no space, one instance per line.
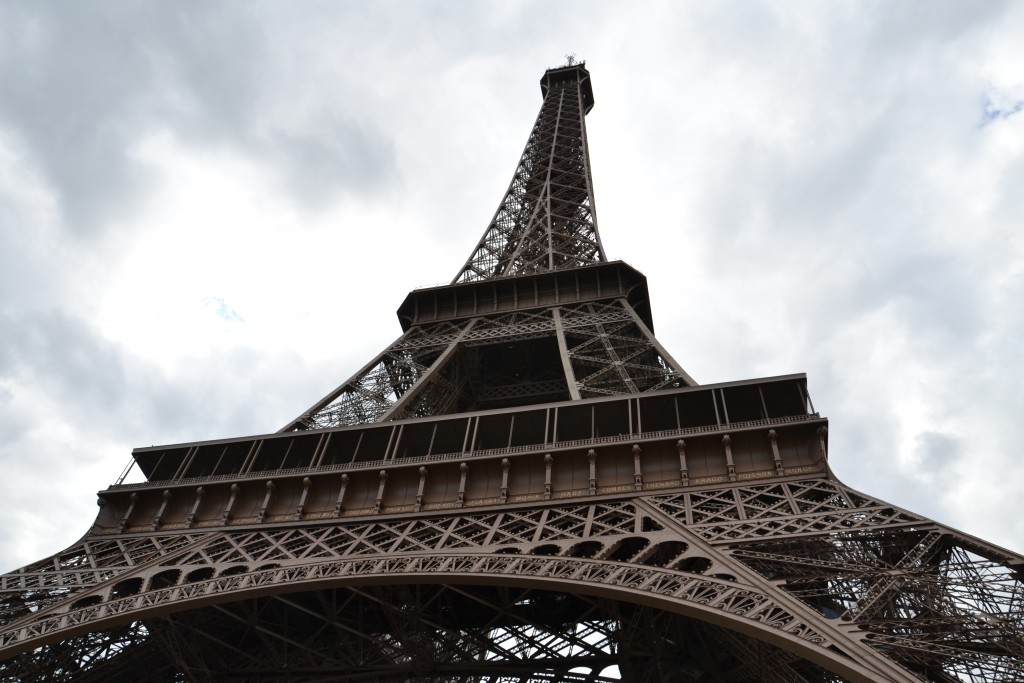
(570,59)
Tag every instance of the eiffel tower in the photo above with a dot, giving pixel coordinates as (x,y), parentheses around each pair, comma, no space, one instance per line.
(525,486)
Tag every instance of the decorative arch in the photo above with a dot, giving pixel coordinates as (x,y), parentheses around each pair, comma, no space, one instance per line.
(731,605)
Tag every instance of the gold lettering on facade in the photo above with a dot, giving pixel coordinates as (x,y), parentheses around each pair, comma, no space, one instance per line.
(525,498)
(441,506)
(616,489)
(662,484)
(483,501)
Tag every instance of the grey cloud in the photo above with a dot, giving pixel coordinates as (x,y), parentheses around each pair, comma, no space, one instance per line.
(902,27)
(937,451)
(12,426)
(102,388)
(922,489)
(56,353)
(339,154)
(933,292)
(74,94)
(73,405)
(83,85)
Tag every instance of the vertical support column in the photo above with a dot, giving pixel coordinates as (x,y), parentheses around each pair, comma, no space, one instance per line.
(160,513)
(262,512)
(465,437)
(225,516)
(729,464)
(638,475)
(592,458)
(476,429)
(387,449)
(383,477)
(764,406)
(773,438)
(433,435)
(725,406)
(419,491)
(684,472)
(306,483)
(822,434)
(548,462)
(339,504)
(133,499)
(191,518)
(505,465)
(806,395)
(463,473)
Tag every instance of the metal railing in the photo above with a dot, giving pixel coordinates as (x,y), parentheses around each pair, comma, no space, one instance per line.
(476,454)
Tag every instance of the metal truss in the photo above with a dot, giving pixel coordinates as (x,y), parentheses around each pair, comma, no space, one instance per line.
(612,352)
(792,572)
(546,220)
(599,348)
(370,394)
(418,633)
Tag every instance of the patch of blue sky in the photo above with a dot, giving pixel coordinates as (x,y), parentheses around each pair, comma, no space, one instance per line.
(998,108)
(223,311)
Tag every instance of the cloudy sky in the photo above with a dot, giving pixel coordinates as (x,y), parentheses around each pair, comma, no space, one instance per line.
(210,211)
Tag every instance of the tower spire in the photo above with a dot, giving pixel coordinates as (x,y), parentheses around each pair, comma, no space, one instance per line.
(537,313)
(546,220)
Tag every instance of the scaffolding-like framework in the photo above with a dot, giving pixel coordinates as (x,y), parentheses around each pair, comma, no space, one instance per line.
(525,486)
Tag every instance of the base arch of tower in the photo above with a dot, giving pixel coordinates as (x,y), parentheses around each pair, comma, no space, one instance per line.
(467,617)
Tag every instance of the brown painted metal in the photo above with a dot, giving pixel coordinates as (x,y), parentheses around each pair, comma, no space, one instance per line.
(547,220)
(525,486)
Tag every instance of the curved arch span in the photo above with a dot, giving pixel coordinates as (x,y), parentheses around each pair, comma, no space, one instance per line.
(734,606)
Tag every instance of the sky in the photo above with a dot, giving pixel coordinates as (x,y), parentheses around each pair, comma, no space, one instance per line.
(210,211)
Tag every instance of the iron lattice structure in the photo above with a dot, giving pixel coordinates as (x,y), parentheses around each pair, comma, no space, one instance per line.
(525,486)
(546,220)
